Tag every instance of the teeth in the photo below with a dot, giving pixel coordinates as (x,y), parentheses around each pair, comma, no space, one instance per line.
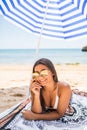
(42,80)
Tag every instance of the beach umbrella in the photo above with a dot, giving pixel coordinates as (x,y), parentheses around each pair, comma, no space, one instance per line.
(56,19)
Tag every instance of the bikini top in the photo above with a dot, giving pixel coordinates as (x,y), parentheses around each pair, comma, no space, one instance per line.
(56,102)
(55,105)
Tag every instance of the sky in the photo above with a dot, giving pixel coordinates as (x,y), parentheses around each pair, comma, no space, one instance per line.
(14,37)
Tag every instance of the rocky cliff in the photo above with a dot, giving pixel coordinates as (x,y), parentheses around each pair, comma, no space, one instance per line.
(84,48)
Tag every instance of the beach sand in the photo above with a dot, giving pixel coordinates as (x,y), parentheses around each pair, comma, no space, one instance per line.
(14,81)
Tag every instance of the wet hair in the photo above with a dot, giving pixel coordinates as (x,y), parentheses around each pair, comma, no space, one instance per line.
(49,64)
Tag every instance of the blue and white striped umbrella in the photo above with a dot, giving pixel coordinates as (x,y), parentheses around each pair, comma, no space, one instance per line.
(57,19)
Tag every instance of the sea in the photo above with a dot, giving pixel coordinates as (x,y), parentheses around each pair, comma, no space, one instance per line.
(57,56)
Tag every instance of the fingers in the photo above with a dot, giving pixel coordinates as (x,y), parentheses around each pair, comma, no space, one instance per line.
(28,114)
(24,111)
(35,87)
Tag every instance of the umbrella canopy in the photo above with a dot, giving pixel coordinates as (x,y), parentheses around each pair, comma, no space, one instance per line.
(57,19)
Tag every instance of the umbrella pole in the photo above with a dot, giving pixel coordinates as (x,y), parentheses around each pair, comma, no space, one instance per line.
(39,41)
(41,32)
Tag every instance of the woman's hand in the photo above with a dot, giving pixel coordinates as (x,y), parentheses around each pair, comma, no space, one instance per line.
(35,96)
(35,87)
(28,115)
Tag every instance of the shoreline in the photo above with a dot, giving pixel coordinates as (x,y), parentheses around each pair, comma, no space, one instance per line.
(19,75)
(14,81)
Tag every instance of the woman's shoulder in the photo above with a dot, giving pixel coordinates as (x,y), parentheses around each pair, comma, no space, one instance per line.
(64,86)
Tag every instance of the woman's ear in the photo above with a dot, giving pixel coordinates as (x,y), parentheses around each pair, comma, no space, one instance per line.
(54,77)
(53,74)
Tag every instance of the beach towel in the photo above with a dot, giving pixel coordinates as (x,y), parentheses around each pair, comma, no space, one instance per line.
(76,121)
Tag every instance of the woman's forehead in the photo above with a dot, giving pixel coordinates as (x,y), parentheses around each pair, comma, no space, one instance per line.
(40,67)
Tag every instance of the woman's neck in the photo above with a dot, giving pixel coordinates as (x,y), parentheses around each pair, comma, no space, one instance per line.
(50,87)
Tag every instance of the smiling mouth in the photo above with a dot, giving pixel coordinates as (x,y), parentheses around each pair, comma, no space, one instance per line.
(43,82)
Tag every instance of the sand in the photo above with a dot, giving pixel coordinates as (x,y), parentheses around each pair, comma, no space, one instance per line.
(14,81)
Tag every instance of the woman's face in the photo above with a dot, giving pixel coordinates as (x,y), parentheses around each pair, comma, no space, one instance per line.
(42,74)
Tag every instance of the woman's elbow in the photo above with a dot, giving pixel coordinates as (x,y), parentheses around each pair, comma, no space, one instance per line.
(60,114)
(36,111)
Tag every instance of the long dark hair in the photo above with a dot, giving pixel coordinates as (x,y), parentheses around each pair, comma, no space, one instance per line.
(51,67)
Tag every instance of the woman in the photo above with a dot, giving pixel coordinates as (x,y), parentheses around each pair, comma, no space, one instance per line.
(47,93)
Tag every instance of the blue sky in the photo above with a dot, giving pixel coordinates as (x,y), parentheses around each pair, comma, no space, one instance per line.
(11,36)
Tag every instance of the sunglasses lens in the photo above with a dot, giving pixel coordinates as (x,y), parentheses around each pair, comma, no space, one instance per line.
(35,75)
(44,73)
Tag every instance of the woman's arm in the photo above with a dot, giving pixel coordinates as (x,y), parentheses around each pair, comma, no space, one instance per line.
(64,99)
(36,104)
(29,115)
(35,97)
(65,94)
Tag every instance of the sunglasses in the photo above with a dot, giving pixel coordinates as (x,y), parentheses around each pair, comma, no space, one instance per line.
(43,73)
